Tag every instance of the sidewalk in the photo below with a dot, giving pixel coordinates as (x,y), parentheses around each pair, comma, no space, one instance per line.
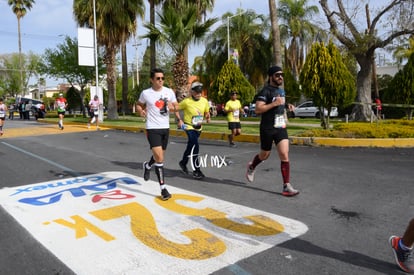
(309,141)
(27,128)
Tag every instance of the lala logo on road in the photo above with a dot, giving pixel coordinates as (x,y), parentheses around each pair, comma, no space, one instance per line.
(123,227)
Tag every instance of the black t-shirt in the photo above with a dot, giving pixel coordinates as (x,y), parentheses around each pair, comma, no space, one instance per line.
(268,94)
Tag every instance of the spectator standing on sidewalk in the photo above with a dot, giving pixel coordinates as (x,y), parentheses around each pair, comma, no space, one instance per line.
(3,112)
(195,109)
(378,107)
(12,108)
(403,248)
(155,104)
(271,105)
(61,104)
(233,109)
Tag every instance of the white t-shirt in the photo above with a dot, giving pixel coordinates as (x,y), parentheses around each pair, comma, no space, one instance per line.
(94,104)
(155,103)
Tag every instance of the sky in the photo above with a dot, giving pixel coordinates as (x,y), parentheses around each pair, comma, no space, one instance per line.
(49,21)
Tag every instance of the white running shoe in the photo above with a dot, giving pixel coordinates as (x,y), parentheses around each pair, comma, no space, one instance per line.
(250,173)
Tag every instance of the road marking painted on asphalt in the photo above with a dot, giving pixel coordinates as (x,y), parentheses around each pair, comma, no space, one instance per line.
(122,226)
(53,163)
(46,129)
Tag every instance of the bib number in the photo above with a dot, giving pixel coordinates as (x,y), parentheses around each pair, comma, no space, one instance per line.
(236,114)
(279,121)
(197,120)
(2,114)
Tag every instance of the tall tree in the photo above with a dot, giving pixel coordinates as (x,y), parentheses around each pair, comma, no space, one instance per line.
(231,79)
(249,34)
(326,79)
(362,42)
(10,77)
(202,7)
(296,16)
(178,29)
(403,82)
(20,8)
(153,52)
(276,45)
(115,23)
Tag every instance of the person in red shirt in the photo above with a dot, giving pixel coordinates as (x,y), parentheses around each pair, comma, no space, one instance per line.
(378,106)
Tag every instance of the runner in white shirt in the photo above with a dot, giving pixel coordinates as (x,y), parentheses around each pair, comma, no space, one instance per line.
(94,111)
(3,111)
(155,105)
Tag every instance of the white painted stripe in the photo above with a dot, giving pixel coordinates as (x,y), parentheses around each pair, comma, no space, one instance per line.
(122,226)
(73,173)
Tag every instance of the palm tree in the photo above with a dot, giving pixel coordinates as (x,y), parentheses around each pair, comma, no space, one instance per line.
(115,23)
(248,35)
(277,47)
(296,15)
(20,8)
(153,52)
(202,7)
(178,29)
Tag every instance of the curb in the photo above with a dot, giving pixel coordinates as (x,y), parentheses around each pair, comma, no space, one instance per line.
(305,141)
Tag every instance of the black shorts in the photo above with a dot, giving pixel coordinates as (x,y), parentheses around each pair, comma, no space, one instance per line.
(92,113)
(268,136)
(61,113)
(158,137)
(234,125)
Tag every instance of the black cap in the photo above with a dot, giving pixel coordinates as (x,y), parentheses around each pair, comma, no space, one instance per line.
(233,93)
(273,70)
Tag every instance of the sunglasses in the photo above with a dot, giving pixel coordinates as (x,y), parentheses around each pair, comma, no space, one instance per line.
(278,74)
(160,78)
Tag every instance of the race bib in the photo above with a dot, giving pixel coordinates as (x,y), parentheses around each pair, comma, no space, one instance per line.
(95,112)
(2,114)
(61,106)
(236,114)
(279,121)
(197,120)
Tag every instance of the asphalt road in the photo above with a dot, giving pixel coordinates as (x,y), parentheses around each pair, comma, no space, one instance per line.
(351,199)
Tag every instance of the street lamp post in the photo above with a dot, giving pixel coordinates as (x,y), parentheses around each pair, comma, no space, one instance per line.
(136,45)
(228,33)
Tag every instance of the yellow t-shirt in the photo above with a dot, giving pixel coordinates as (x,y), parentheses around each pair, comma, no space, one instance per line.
(233,109)
(194,112)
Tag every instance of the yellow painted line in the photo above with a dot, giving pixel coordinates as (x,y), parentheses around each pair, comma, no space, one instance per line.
(46,129)
(364,142)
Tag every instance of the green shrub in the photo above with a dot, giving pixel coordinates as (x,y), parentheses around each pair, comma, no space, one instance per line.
(382,129)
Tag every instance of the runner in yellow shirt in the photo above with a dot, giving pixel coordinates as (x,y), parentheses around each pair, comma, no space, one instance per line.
(195,109)
(234,109)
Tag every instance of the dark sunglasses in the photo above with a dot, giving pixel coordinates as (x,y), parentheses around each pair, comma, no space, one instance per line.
(160,78)
(278,74)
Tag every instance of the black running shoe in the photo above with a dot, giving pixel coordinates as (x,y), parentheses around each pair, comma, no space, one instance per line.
(198,175)
(146,171)
(183,168)
(165,195)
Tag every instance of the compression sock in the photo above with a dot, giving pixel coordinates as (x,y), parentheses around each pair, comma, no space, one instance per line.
(159,170)
(256,161)
(285,169)
(152,161)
